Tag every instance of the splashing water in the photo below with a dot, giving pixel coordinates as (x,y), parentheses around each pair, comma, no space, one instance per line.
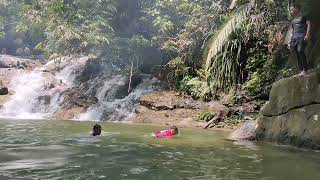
(39,95)
(117,109)
(29,100)
(33,97)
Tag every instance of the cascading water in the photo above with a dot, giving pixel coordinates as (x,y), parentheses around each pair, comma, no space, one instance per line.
(121,108)
(39,94)
(28,101)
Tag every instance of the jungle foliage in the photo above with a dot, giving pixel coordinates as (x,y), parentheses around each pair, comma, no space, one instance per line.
(201,47)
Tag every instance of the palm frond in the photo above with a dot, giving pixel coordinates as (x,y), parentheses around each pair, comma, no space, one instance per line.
(233,4)
(235,21)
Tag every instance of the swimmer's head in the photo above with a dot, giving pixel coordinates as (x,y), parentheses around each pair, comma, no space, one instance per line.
(175,130)
(96,130)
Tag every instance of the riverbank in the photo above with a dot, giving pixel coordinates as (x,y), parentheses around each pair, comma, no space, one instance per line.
(172,108)
(81,95)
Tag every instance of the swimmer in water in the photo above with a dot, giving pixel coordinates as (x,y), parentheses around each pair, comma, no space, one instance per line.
(96,130)
(167,133)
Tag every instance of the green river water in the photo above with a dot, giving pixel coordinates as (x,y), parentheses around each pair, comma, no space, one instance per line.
(63,150)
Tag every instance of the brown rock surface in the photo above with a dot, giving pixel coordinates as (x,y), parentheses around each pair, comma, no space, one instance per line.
(168,108)
(69,114)
(292,114)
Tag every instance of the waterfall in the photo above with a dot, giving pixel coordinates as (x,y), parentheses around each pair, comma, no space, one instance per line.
(40,93)
(30,98)
(121,108)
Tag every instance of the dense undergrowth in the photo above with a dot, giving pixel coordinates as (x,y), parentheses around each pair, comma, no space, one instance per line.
(201,47)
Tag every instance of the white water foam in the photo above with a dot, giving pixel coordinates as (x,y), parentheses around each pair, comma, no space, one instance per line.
(34,99)
(25,103)
(119,109)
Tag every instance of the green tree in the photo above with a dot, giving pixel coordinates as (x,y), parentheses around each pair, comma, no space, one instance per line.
(69,26)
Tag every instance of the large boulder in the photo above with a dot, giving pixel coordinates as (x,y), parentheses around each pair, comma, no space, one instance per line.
(75,98)
(299,127)
(292,116)
(292,93)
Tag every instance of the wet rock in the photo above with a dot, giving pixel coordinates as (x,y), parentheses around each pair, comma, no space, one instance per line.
(75,98)
(245,132)
(292,114)
(51,86)
(45,100)
(69,113)
(3,89)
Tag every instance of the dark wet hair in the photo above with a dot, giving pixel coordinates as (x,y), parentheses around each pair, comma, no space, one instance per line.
(96,126)
(175,128)
(297,6)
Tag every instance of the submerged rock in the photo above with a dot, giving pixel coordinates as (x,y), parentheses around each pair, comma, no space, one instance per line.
(292,114)
(245,132)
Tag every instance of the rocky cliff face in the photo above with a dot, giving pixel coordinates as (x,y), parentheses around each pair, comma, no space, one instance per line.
(292,115)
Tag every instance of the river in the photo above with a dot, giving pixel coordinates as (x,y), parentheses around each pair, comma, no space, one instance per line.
(47,149)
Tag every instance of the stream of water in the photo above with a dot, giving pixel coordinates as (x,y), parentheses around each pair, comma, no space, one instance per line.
(44,149)
(39,94)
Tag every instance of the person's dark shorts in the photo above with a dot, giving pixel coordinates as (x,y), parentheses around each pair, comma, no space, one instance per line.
(299,44)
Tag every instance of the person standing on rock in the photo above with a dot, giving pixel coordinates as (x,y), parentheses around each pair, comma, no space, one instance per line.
(301,34)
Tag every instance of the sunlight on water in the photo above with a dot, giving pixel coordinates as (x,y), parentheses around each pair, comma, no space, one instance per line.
(64,150)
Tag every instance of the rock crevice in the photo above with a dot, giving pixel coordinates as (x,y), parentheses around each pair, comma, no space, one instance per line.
(292,109)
